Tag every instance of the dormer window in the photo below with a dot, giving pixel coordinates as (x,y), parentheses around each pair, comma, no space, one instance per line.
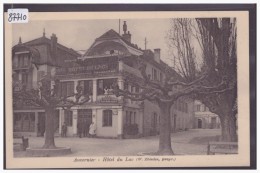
(21,60)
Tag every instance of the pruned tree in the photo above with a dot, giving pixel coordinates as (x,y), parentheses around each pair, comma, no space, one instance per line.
(47,96)
(164,94)
(218,38)
(211,44)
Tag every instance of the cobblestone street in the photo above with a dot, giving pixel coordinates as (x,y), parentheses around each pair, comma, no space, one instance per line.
(191,142)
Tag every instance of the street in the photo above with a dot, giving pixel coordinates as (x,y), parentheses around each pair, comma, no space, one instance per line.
(191,142)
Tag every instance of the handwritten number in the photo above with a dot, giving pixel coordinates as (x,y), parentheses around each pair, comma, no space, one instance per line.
(16,17)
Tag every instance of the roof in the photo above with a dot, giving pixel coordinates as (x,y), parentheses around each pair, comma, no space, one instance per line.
(34,52)
(110,34)
(43,52)
(45,40)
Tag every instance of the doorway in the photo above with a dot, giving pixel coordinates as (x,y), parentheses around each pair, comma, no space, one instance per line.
(154,124)
(84,121)
(56,121)
(41,124)
(213,122)
(174,122)
(199,123)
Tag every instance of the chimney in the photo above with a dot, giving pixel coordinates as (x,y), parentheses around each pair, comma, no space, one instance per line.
(126,36)
(20,40)
(43,32)
(54,41)
(157,55)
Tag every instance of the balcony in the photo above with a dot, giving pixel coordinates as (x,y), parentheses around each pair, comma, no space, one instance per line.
(95,69)
(123,67)
(21,67)
(109,98)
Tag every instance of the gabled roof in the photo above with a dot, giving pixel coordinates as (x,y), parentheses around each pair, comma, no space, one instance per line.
(35,53)
(43,52)
(109,34)
(45,40)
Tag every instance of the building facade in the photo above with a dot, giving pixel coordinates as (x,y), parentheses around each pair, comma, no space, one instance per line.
(31,61)
(112,58)
(204,119)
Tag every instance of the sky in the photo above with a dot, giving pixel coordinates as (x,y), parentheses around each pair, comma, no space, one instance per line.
(79,35)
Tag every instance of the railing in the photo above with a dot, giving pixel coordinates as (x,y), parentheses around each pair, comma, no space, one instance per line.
(131,70)
(109,98)
(90,69)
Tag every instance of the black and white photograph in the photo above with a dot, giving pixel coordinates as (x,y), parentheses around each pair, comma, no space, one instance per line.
(128,89)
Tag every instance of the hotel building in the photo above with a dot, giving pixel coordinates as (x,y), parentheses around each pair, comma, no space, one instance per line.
(112,58)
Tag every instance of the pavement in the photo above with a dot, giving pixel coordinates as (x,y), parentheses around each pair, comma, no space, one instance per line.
(183,143)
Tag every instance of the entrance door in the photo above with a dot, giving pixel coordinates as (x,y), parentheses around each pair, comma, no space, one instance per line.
(154,123)
(199,123)
(56,121)
(84,120)
(174,122)
(41,123)
(213,122)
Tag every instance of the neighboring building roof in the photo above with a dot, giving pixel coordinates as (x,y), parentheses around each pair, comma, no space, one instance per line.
(38,46)
(33,51)
(43,39)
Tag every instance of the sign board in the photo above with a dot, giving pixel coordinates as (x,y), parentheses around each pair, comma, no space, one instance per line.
(89,69)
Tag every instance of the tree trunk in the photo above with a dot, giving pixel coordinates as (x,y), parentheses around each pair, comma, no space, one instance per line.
(165,130)
(49,128)
(228,128)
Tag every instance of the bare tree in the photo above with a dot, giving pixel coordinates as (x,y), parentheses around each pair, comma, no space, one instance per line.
(211,44)
(181,42)
(47,96)
(164,94)
(219,44)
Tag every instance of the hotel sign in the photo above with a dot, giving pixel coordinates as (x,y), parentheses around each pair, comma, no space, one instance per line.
(89,69)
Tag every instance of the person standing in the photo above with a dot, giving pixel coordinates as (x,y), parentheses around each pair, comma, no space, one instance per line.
(84,128)
(64,130)
(79,127)
(92,130)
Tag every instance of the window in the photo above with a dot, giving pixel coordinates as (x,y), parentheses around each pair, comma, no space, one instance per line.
(154,120)
(179,105)
(15,61)
(40,75)
(137,89)
(67,88)
(186,107)
(87,86)
(127,117)
(130,117)
(205,108)
(24,78)
(132,89)
(105,84)
(107,118)
(125,86)
(68,117)
(15,77)
(134,118)
(23,60)
(175,105)
(154,74)
(24,122)
(198,107)
(161,77)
